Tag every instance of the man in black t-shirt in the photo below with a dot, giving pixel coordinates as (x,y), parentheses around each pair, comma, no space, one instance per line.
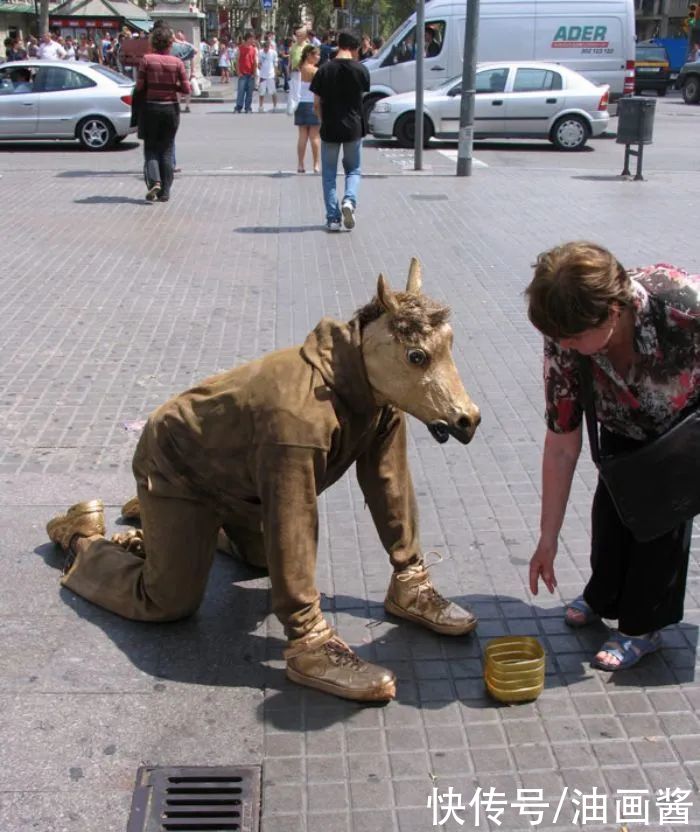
(338,88)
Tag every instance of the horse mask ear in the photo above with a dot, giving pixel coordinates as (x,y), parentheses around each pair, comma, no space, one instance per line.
(415,278)
(386,296)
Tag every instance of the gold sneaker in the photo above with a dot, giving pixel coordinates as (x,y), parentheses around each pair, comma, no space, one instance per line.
(412,595)
(334,668)
(131,510)
(85,519)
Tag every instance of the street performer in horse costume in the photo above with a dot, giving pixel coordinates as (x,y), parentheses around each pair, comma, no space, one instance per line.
(249,451)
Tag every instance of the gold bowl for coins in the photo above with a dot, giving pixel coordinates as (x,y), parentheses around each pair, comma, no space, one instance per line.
(514,668)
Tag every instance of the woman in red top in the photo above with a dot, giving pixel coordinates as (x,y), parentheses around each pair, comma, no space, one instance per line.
(161,77)
(640,332)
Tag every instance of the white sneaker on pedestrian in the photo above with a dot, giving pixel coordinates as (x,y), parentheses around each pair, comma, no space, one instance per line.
(348,210)
(152,192)
(333,226)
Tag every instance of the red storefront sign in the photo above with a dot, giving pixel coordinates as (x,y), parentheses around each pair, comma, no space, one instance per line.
(85,22)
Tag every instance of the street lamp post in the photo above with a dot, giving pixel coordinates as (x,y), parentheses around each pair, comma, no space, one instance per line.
(466,113)
(419,41)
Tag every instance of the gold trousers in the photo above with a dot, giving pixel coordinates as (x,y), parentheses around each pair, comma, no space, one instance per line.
(169,582)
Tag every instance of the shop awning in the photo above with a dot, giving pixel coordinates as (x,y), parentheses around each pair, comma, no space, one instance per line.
(17,8)
(142,25)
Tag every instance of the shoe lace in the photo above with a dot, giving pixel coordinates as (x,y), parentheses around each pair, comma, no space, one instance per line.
(424,585)
(341,655)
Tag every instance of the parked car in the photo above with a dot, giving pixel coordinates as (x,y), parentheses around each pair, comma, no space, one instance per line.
(652,68)
(688,82)
(64,100)
(514,99)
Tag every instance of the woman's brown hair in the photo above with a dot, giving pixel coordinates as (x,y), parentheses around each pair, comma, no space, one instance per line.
(573,288)
(305,52)
(161,38)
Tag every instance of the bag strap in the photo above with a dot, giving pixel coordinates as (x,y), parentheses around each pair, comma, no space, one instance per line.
(586,377)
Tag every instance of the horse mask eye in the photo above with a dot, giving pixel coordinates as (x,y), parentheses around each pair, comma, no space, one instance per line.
(417,357)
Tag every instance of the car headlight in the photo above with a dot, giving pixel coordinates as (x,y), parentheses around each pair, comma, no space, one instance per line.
(382,107)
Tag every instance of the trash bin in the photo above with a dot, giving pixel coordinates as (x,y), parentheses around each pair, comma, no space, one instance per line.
(635,120)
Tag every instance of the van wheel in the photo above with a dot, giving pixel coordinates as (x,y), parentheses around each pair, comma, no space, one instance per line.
(405,130)
(368,103)
(570,133)
(95,133)
(691,89)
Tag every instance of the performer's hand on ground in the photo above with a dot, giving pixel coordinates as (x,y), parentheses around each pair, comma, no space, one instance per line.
(542,566)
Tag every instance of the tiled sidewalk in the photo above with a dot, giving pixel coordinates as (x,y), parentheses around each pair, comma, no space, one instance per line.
(112,305)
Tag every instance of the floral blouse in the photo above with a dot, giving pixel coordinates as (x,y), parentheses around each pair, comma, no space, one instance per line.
(664,381)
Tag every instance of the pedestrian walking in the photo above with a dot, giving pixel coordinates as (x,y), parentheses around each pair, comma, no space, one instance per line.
(295,50)
(284,63)
(69,47)
(305,117)
(50,50)
(225,62)
(267,64)
(338,88)
(622,347)
(161,77)
(87,51)
(247,64)
(186,52)
(365,50)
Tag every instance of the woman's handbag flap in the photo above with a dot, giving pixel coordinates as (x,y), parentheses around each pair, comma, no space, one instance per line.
(656,487)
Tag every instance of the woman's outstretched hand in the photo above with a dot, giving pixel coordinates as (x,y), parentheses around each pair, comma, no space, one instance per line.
(542,566)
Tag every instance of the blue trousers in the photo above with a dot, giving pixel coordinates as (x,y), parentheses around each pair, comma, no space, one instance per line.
(244,97)
(329,173)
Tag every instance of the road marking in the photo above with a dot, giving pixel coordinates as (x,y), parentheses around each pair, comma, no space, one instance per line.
(452,155)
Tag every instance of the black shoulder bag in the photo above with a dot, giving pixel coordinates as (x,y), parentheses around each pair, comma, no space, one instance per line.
(654,488)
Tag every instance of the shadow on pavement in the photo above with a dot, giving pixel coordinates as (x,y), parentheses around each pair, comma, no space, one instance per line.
(226,644)
(64,145)
(217,646)
(87,174)
(112,200)
(277,229)
(539,145)
(603,177)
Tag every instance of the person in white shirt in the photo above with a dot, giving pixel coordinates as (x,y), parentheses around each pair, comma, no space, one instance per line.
(267,66)
(49,50)
(70,49)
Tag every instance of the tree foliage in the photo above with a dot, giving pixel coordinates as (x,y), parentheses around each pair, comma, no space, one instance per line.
(291,13)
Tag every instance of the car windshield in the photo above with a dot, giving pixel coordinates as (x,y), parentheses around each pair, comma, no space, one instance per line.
(650,53)
(117,77)
(389,43)
(451,82)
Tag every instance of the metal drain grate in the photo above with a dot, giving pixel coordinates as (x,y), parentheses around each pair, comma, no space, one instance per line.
(196,799)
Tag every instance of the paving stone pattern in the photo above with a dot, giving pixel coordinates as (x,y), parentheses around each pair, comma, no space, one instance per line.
(110,306)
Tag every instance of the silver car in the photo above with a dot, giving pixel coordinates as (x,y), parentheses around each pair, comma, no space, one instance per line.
(514,99)
(64,100)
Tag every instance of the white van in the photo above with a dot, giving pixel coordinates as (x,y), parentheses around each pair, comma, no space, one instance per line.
(594,37)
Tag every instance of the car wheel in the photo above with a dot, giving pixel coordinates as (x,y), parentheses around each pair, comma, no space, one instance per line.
(95,133)
(691,89)
(368,105)
(661,92)
(405,130)
(570,133)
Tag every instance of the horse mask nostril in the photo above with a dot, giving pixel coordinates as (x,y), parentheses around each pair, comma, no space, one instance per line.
(464,423)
